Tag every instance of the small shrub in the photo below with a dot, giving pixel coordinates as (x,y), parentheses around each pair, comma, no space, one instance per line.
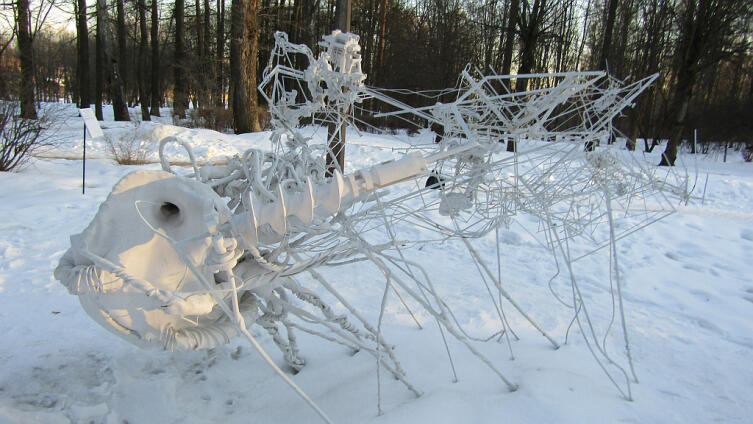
(20,138)
(129,149)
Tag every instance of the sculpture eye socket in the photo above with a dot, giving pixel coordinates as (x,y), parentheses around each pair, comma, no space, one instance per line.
(170,212)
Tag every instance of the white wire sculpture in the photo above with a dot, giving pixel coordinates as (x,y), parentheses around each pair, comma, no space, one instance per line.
(189,262)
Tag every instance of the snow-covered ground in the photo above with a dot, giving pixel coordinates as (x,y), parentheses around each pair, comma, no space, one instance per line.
(688,293)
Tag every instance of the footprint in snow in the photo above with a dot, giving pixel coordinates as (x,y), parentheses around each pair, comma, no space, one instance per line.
(694,267)
(746,235)
(693,226)
(702,295)
(707,325)
(511,238)
(73,385)
(748,294)
(672,255)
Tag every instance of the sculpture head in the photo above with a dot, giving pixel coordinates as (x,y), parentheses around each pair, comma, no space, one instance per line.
(132,280)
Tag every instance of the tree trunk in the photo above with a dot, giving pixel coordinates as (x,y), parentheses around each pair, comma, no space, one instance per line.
(280,13)
(220,86)
(99,65)
(619,66)
(3,77)
(382,36)
(27,60)
(295,23)
(689,54)
(143,47)
(82,42)
(207,14)
(243,61)
(207,68)
(313,7)
(122,57)
(528,40)
(529,33)
(491,34)
(199,66)
(3,72)
(605,53)
(512,23)
(199,30)
(180,90)
(117,95)
(156,96)
(683,93)
(606,45)
(343,15)
(117,85)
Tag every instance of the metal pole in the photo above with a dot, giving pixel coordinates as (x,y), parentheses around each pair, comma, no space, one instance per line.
(83,166)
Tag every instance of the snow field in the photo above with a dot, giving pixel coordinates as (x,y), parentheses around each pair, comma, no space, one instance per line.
(688,295)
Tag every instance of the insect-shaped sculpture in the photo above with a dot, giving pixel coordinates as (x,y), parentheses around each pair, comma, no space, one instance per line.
(184,262)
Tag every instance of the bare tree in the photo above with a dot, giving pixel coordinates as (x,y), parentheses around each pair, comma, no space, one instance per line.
(530,23)
(243,61)
(510,32)
(116,68)
(220,85)
(382,38)
(6,40)
(142,62)
(99,59)
(606,45)
(206,66)
(180,89)
(82,42)
(120,31)
(708,31)
(530,20)
(26,55)
(199,71)
(652,48)
(156,93)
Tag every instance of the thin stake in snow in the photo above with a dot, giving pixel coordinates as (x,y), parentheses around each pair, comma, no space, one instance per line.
(91,125)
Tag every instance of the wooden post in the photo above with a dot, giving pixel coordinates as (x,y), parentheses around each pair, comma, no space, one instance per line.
(343,15)
(95,131)
(336,132)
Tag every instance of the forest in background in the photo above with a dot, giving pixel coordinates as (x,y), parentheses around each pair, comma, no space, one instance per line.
(211,54)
